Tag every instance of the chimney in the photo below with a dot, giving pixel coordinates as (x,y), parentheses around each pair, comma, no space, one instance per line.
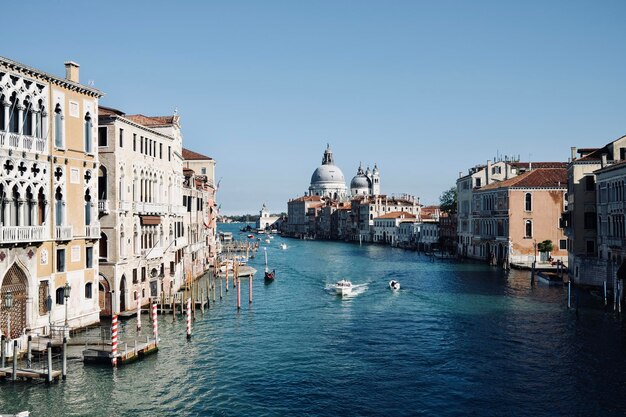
(488,171)
(603,163)
(573,148)
(71,71)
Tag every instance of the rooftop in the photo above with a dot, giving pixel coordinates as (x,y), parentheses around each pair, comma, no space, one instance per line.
(397,215)
(537,178)
(194,156)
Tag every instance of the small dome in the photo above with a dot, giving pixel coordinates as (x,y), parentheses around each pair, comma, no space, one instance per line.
(360,182)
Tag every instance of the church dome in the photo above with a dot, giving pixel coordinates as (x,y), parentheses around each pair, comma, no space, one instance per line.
(327,174)
(360,181)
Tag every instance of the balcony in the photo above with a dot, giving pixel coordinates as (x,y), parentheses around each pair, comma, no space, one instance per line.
(150,208)
(615,242)
(125,206)
(180,242)
(177,210)
(25,143)
(18,234)
(103,206)
(617,206)
(156,252)
(92,232)
(63,232)
(196,246)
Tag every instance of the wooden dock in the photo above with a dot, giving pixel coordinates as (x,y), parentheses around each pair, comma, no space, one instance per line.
(101,354)
(29,374)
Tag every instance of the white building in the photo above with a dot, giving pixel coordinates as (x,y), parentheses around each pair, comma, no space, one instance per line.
(141,207)
(365,182)
(328,180)
(266,221)
(386,227)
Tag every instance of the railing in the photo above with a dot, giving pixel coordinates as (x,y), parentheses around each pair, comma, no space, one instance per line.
(616,206)
(181,242)
(23,142)
(125,205)
(103,206)
(616,241)
(178,210)
(63,232)
(155,252)
(92,231)
(151,208)
(16,234)
(196,246)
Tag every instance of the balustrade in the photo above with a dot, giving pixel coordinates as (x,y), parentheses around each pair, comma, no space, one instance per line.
(20,142)
(17,234)
(63,232)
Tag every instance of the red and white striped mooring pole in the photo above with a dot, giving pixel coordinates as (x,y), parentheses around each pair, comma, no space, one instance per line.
(155,324)
(138,313)
(189,318)
(114,340)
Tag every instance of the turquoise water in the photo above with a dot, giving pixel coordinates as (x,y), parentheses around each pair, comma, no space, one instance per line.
(457,339)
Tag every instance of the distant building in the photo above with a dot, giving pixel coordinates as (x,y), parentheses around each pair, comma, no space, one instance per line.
(266,220)
(386,226)
(327,179)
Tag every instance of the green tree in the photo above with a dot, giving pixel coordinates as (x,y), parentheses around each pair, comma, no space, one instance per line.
(545,246)
(447,201)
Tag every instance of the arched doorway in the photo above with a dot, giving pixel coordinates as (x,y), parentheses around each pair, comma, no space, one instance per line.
(104,297)
(14,282)
(123,293)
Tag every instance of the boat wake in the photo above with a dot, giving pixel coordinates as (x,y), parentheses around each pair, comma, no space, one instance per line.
(357,289)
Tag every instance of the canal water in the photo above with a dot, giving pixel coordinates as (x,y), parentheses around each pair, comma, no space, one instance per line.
(458,339)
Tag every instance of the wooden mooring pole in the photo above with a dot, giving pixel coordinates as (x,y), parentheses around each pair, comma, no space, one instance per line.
(250,289)
(49,351)
(64,369)
(29,352)
(2,343)
(14,375)
(238,293)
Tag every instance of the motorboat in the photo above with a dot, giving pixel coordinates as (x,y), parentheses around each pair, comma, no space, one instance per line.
(343,287)
(283,246)
(394,285)
(250,236)
(267,241)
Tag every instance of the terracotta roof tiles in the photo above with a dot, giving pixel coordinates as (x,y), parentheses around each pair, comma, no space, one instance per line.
(537,178)
(194,156)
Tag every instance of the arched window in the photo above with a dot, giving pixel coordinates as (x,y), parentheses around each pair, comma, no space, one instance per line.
(87,208)
(529,228)
(13,114)
(38,131)
(88,290)
(27,118)
(60,293)
(16,221)
(528,199)
(58,207)
(102,183)
(41,207)
(88,132)
(2,119)
(58,126)
(104,246)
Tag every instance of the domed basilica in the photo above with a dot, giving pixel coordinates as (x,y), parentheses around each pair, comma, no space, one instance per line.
(328,180)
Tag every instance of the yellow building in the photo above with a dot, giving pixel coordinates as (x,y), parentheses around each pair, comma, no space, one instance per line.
(48,220)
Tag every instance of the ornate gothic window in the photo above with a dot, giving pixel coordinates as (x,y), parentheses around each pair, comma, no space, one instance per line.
(59,205)
(88,132)
(58,126)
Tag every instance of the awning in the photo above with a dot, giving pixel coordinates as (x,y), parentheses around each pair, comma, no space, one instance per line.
(150,220)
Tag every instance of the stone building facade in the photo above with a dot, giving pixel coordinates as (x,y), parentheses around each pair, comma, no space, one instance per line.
(48,222)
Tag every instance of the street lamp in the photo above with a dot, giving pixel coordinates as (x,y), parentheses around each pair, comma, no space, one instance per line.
(66,295)
(8,303)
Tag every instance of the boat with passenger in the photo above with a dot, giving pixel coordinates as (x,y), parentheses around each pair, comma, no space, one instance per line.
(343,287)
(394,285)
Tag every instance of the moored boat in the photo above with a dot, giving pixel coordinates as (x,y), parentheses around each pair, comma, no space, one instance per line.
(269,276)
(283,246)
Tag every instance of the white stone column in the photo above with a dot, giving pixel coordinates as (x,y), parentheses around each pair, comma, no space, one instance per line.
(20,119)
(5,106)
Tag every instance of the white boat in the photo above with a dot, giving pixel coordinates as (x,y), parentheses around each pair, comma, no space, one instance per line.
(283,246)
(394,285)
(343,287)
(267,241)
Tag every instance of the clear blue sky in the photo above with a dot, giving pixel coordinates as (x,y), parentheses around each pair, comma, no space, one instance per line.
(423,88)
